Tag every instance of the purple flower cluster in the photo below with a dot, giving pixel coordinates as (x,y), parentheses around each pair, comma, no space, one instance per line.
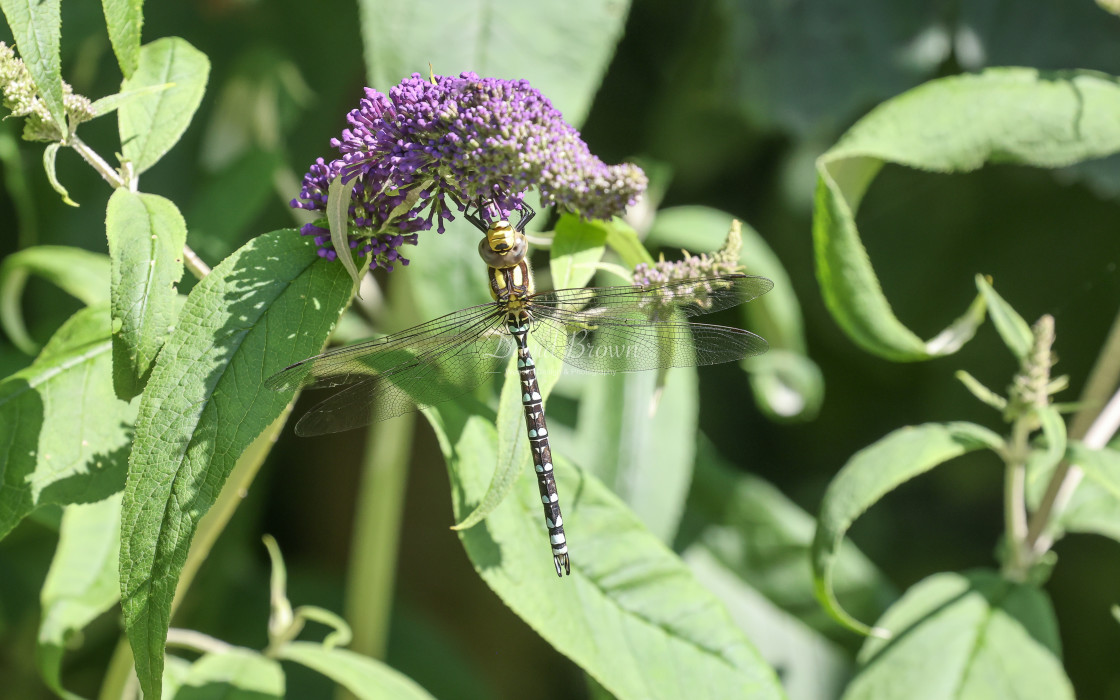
(431,145)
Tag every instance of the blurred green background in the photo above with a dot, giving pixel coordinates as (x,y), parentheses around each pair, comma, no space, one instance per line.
(727,103)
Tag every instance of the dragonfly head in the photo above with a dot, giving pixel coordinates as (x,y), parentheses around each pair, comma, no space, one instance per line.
(504,246)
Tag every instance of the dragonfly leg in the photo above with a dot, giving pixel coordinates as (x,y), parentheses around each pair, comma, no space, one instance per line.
(527,214)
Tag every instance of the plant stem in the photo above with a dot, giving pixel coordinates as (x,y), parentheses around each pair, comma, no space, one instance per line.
(1014,501)
(1102,381)
(194,263)
(106,171)
(376,535)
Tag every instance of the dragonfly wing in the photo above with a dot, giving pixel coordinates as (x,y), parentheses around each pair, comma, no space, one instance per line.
(383,378)
(631,347)
(453,372)
(692,297)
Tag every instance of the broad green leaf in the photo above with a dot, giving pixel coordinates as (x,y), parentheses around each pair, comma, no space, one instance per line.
(630,614)
(764,539)
(146,238)
(81,583)
(50,153)
(36,26)
(361,675)
(812,666)
(971,635)
(577,248)
(124,18)
(271,303)
(234,674)
(1015,332)
(77,272)
(497,38)
(65,437)
(957,124)
(786,383)
(151,125)
(645,459)
(872,473)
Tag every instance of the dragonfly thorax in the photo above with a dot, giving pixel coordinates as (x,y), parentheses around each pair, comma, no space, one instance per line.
(503,246)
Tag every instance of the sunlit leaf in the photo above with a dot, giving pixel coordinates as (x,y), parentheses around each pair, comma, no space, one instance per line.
(124,19)
(361,675)
(36,26)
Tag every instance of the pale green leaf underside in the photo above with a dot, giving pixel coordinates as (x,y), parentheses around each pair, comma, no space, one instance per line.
(965,636)
(956,124)
(361,675)
(271,303)
(630,614)
(77,272)
(234,674)
(874,472)
(81,583)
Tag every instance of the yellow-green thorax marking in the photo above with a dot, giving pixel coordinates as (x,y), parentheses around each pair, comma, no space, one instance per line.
(511,284)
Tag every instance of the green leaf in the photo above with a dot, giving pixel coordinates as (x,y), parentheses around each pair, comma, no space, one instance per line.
(764,539)
(234,674)
(146,238)
(786,383)
(971,635)
(1015,332)
(49,155)
(36,26)
(151,125)
(872,473)
(1054,430)
(504,39)
(339,194)
(77,272)
(111,103)
(811,665)
(624,240)
(81,583)
(1094,506)
(645,459)
(361,675)
(271,303)
(64,436)
(124,18)
(631,615)
(577,248)
(956,124)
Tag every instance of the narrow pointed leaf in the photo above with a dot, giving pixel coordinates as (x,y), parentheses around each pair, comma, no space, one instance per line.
(1015,332)
(971,635)
(872,473)
(111,103)
(152,124)
(146,238)
(339,194)
(50,153)
(271,303)
(64,436)
(81,583)
(630,614)
(36,26)
(955,124)
(77,272)
(124,18)
(361,675)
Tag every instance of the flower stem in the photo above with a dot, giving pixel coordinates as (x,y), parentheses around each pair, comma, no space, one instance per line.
(1014,498)
(106,171)
(376,535)
(1102,381)
(197,267)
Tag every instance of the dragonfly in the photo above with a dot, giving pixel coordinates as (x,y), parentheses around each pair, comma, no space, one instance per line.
(595,329)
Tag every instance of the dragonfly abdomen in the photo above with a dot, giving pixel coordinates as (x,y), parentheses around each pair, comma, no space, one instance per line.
(539,447)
